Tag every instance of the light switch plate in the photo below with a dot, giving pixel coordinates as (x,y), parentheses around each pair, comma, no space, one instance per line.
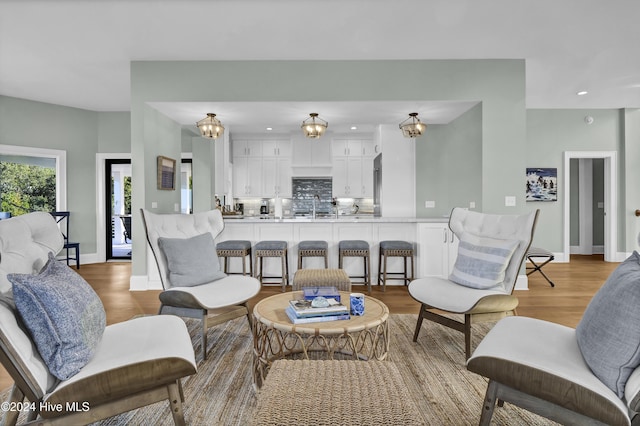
(429,204)
(176,207)
(472,204)
(510,201)
(600,205)
(154,204)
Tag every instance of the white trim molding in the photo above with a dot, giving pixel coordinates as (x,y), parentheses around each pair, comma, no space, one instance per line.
(610,202)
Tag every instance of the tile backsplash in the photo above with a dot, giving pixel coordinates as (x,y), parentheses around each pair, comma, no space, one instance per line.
(304,189)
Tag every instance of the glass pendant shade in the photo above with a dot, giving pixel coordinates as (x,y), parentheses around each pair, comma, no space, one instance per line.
(210,127)
(412,127)
(314,127)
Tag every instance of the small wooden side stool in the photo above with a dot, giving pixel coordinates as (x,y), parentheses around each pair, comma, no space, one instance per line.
(313,248)
(235,248)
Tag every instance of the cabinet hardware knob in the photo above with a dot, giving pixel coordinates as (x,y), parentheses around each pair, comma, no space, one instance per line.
(638,212)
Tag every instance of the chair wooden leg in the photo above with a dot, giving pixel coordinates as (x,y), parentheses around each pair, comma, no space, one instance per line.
(175,403)
(467,336)
(419,323)
(204,335)
(489,403)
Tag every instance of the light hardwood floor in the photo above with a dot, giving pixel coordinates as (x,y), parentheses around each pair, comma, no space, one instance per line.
(576,283)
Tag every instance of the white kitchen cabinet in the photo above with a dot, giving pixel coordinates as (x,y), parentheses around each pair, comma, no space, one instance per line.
(276,148)
(276,177)
(367,177)
(247,148)
(247,176)
(351,147)
(311,152)
(438,249)
(347,177)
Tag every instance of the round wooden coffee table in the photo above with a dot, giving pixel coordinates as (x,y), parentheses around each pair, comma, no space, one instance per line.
(363,337)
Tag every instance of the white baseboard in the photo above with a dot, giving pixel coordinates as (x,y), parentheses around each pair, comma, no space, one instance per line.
(143,283)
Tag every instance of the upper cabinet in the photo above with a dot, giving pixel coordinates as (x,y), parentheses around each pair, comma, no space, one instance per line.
(311,152)
(276,148)
(352,147)
(246,148)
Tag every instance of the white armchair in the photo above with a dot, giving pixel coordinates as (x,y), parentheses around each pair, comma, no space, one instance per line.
(491,251)
(194,285)
(133,363)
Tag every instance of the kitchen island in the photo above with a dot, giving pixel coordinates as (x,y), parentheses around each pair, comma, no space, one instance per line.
(429,236)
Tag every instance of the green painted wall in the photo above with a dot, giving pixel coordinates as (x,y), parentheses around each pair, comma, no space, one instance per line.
(448,163)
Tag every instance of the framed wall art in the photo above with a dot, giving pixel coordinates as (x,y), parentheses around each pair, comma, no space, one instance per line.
(542,184)
(166,173)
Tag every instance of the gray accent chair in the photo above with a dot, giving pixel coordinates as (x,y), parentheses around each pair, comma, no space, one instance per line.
(213,302)
(136,363)
(439,295)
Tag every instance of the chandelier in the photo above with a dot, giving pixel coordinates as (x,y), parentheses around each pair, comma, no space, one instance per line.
(412,127)
(314,126)
(210,127)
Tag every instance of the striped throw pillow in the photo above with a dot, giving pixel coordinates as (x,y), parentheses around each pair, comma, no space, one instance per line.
(482,261)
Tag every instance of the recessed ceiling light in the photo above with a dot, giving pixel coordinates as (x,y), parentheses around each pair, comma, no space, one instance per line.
(582,93)
(269,128)
(354,128)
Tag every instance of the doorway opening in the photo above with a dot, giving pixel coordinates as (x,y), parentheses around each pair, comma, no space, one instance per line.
(118,209)
(609,203)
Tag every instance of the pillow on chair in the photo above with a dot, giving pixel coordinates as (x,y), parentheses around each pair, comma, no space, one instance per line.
(608,333)
(482,261)
(63,314)
(191,261)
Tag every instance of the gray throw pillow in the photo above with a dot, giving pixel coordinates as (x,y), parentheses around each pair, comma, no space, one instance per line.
(482,261)
(191,261)
(63,314)
(609,332)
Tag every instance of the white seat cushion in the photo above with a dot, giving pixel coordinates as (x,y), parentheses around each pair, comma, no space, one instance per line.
(228,291)
(444,294)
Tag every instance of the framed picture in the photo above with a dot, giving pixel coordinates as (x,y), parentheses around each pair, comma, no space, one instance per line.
(542,184)
(166,173)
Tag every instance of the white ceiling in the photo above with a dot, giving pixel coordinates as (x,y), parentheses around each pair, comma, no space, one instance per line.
(77,53)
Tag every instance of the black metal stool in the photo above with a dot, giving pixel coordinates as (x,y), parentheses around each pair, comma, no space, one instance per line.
(235,248)
(356,248)
(394,248)
(313,248)
(272,249)
(535,252)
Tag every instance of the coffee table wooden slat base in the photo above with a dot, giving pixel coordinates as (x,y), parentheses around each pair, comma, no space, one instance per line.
(361,337)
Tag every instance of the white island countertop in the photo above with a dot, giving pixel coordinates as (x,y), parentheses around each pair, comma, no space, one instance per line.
(340,219)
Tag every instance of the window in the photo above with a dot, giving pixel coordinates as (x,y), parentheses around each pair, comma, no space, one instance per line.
(31,179)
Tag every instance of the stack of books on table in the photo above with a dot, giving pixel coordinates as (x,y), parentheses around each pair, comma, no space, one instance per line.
(301,312)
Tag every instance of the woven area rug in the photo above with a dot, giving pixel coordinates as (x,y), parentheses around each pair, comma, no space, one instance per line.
(221,393)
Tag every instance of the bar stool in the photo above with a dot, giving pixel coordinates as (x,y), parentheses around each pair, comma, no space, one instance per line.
(272,249)
(356,248)
(313,248)
(394,248)
(235,248)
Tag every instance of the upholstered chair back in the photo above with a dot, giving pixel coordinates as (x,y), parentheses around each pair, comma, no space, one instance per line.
(25,242)
(502,227)
(178,226)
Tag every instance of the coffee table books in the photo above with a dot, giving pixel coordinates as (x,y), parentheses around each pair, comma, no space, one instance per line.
(305,308)
(335,316)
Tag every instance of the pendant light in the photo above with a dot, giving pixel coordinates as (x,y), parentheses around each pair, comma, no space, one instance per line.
(210,127)
(314,126)
(412,127)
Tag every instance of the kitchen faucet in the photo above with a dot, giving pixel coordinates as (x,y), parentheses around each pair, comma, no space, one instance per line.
(315,197)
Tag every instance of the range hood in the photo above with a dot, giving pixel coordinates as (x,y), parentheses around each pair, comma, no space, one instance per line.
(311,171)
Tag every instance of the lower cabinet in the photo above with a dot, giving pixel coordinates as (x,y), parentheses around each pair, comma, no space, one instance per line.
(439,248)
